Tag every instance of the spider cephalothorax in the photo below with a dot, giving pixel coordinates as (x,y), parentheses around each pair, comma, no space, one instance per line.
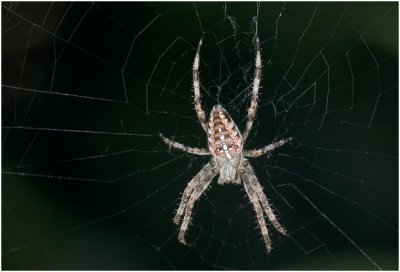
(225,145)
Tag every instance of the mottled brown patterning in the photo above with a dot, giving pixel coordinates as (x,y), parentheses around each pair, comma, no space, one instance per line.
(224,138)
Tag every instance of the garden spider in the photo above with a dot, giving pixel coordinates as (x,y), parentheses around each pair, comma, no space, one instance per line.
(225,145)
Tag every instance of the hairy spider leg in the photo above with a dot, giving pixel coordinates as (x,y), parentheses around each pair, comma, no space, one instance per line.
(205,179)
(251,112)
(187,149)
(263,199)
(266,149)
(208,171)
(196,88)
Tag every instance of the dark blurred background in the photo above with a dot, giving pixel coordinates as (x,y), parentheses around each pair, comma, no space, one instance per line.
(87,88)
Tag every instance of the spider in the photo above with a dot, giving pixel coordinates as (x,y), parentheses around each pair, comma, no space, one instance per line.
(225,145)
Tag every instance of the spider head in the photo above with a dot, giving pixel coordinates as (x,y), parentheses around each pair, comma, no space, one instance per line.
(224,137)
(228,169)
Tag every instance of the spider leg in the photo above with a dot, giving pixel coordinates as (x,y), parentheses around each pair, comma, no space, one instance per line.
(263,199)
(204,177)
(251,113)
(268,148)
(196,87)
(252,194)
(197,192)
(187,149)
(268,210)
(204,173)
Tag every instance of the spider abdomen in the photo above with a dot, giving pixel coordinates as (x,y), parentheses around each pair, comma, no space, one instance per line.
(224,137)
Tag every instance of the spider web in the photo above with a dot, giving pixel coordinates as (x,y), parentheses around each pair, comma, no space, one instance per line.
(87,88)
